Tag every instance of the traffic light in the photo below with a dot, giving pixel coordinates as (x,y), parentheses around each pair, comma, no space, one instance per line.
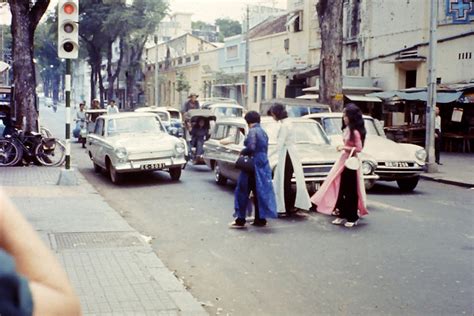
(68,29)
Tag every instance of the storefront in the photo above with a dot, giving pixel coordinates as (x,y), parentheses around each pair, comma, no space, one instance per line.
(404,115)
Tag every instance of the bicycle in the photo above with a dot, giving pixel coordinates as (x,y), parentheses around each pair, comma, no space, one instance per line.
(31,147)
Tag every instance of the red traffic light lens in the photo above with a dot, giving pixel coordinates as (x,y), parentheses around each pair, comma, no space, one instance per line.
(69,8)
(68,28)
(68,47)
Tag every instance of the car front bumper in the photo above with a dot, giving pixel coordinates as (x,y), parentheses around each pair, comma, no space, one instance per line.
(151,164)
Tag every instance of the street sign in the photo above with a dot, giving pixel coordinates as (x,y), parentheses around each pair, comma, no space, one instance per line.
(68,29)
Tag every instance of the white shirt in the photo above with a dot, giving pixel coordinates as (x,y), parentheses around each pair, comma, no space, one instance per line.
(112,109)
(438,122)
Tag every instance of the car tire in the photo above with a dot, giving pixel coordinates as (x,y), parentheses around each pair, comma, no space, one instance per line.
(220,179)
(115,177)
(369,184)
(175,173)
(409,184)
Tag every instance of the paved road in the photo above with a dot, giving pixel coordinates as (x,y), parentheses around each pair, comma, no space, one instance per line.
(413,255)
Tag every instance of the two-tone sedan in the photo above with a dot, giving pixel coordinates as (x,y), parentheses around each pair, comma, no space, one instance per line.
(395,161)
(134,142)
(316,153)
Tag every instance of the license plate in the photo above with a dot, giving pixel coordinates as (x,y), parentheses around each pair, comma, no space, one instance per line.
(152,166)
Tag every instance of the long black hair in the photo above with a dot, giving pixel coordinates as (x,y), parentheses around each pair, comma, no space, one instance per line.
(356,121)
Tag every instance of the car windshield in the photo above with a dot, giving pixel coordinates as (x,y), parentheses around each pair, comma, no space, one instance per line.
(228,111)
(305,132)
(332,126)
(139,124)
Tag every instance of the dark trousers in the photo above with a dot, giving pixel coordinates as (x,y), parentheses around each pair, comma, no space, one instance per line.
(252,188)
(437,145)
(348,198)
(289,195)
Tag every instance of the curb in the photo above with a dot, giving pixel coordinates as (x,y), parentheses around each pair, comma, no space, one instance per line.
(448,181)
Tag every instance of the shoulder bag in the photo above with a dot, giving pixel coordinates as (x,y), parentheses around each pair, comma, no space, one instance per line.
(245,164)
(352,163)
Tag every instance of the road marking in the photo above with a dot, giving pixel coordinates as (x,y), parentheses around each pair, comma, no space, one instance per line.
(389,207)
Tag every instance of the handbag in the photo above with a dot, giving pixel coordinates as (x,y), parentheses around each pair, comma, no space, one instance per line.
(245,163)
(352,163)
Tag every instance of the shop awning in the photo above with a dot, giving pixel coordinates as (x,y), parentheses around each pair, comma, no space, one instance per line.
(441,97)
(362,98)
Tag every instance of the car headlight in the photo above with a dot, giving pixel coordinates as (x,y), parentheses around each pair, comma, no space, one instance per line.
(421,155)
(367,167)
(179,148)
(121,153)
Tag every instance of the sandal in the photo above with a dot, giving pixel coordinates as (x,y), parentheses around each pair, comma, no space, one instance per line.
(338,221)
(351,224)
(336,212)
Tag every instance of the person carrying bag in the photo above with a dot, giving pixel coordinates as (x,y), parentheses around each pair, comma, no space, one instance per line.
(343,193)
(256,178)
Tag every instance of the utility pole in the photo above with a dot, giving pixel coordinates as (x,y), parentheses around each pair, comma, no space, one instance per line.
(247,59)
(157,83)
(431,99)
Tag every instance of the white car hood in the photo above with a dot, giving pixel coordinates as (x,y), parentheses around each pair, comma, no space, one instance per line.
(144,142)
(382,149)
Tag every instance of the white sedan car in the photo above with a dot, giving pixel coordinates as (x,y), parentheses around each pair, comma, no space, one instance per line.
(395,161)
(134,142)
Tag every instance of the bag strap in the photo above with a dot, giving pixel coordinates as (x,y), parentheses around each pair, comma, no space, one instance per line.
(352,152)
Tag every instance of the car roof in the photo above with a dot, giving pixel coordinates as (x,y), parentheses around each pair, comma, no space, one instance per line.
(263,119)
(330,115)
(227,105)
(128,114)
(295,102)
(151,109)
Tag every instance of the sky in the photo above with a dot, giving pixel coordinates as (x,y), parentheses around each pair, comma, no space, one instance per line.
(210,10)
(204,10)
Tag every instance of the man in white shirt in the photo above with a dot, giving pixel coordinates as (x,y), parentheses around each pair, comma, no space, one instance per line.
(437,135)
(112,108)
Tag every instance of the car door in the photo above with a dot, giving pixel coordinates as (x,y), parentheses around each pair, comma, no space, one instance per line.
(233,150)
(94,141)
(212,146)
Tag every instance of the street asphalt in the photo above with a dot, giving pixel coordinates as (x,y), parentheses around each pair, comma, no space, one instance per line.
(412,255)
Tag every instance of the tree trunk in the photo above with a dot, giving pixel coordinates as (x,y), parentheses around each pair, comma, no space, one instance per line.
(93,82)
(111,77)
(330,65)
(24,22)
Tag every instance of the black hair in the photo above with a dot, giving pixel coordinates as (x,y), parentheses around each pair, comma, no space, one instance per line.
(279,111)
(356,121)
(252,117)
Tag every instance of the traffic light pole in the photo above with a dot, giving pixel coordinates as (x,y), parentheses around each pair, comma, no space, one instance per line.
(67,85)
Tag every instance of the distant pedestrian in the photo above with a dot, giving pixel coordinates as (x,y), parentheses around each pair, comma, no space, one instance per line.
(258,183)
(437,136)
(199,134)
(112,108)
(288,164)
(343,192)
(32,281)
(191,104)
(95,105)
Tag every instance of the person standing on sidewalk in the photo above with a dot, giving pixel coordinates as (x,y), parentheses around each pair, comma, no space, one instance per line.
(437,136)
(343,192)
(259,182)
(31,279)
(288,163)
(112,108)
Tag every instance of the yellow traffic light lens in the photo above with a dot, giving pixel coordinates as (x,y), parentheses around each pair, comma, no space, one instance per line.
(68,28)
(69,8)
(68,47)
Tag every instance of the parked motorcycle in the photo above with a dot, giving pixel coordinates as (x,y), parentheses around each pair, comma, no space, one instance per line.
(80,132)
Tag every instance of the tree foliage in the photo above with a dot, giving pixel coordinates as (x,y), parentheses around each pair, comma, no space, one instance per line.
(228,27)
(103,23)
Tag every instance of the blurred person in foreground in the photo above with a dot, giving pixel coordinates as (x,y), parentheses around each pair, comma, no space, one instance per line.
(32,282)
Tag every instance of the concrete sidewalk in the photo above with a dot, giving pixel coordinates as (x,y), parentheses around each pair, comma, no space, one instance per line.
(456,168)
(111,266)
